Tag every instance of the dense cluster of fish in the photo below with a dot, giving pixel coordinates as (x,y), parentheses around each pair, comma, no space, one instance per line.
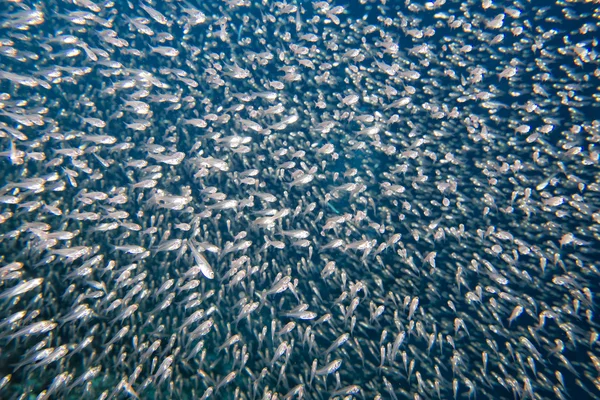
(283,200)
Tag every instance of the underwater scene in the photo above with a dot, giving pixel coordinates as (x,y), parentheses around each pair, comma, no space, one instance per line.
(276,200)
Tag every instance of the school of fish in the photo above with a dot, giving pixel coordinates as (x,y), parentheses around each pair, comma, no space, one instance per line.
(237,199)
